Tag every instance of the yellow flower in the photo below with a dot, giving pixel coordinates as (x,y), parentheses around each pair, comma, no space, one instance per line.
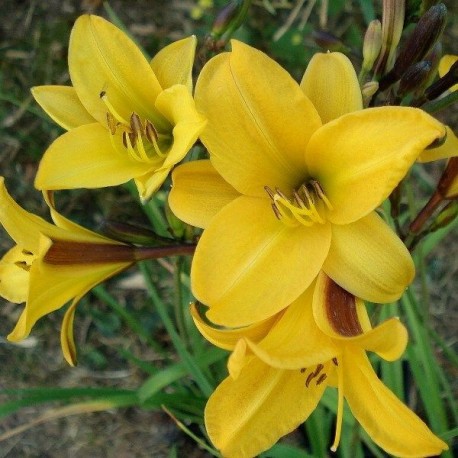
(52,264)
(125,118)
(280,368)
(294,177)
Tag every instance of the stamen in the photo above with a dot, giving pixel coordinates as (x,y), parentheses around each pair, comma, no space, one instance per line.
(321,379)
(111,109)
(320,193)
(151,132)
(302,207)
(111,122)
(23,265)
(309,378)
(334,360)
(318,369)
(303,369)
(136,124)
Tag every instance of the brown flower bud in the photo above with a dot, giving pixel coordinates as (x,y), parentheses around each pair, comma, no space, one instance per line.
(414,78)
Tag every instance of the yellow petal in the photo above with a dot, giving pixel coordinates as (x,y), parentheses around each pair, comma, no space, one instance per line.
(286,346)
(446,150)
(385,418)
(259,121)
(245,416)
(388,340)
(84,157)
(67,340)
(227,338)
(14,280)
(361,157)
(239,358)
(330,82)
(444,66)
(102,58)
(173,64)
(62,105)
(23,227)
(52,286)
(249,266)
(369,260)
(199,193)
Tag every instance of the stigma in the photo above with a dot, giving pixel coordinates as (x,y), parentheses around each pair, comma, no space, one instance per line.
(307,206)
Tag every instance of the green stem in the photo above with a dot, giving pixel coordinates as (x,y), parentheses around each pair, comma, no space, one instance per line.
(204,385)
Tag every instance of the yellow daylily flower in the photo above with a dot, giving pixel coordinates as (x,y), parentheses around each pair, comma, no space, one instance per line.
(126,118)
(278,376)
(444,66)
(294,176)
(52,264)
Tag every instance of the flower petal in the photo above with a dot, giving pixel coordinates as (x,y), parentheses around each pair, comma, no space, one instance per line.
(14,280)
(330,82)
(227,338)
(173,63)
(101,58)
(62,105)
(259,121)
(245,416)
(385,418)
(85,157)
(286,346)
(52,286)
(67,341)
(448,149)
(249,266)
(368,260)
(199,192)
(23,227)
(361,157)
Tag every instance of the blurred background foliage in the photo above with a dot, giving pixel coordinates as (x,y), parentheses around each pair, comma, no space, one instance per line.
(138,349)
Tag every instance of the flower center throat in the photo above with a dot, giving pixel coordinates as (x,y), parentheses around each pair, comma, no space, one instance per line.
(307,205)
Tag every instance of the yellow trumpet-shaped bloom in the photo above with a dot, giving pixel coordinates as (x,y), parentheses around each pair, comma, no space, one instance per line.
(280,368)
(126,118)
(52,264)
(294,176)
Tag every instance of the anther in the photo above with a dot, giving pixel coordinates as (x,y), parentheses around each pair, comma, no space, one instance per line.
(151,132)
(112,123)
(303,369)
(276,211)
(22,265)
(334,360)
(270,192)
(310,377)
(321,379)
(27,252)
(136,124)
(318,369)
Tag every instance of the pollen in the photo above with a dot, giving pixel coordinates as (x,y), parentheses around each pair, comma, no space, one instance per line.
(307,204)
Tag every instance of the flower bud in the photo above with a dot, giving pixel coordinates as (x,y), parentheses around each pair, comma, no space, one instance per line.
(444,83)
(392,25)
(425,34)
(415,78)
(229,18)
(327,41)
(372,44)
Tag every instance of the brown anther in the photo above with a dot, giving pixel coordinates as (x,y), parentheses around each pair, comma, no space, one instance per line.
(334,360)
(22,265)
(132,138)
(276,211)
(297,199)
(308,196)
(310,377)
(318,189)
(124,139)
(318,369)
(277,191)
(27,252)
(150,132)
(321,379)
(112,123)
(136,124)
(102,94)
(303,369)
